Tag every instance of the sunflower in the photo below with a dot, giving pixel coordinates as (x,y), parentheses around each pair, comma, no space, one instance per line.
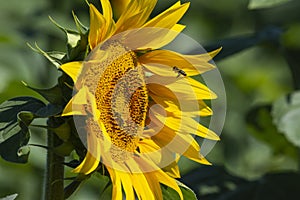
(138,104)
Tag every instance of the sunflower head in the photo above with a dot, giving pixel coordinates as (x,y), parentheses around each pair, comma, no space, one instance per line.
(136,106)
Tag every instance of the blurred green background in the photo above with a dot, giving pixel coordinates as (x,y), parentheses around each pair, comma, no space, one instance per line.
(259,64)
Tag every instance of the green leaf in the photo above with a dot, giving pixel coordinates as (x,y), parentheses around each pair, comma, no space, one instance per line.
(63,131)
(259,4)
(286,113)
(15,115)
(48,111)
(171,194)
(107,192)
(52,95)
(261,126)
(25,118)
(187,192)
(64,149)
(74,185)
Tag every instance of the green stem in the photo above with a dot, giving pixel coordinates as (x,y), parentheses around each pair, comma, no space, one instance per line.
(53,184)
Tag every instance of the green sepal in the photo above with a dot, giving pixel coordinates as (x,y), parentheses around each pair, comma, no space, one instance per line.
(77,41)
(82,29)
(55,57)
(16,115)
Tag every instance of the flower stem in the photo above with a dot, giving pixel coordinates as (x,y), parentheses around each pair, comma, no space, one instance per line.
(54,176)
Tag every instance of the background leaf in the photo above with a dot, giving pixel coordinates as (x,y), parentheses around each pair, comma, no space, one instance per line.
(286,112)
(262,127)
(14,132)
(259,4)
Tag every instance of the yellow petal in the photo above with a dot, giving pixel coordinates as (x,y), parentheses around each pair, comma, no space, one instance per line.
(184,125)
(169,17)
(137,12)
(88,165)
(116,182)
(154,185)
(141,187)
(92,158)
(97,27)
(76,105)
(172,170)
(119,6)
(72,69)
(184,88)
(181,106)
(151,38)
(168,181)
(108,16)
(193,153)
(127,185)
(161,62)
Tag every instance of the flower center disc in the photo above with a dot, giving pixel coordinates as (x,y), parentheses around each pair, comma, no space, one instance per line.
(121,97)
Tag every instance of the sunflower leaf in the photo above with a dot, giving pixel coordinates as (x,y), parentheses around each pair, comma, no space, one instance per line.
(171,194)
(187,192)
(262,128)
(286,114)
(16,115)
(107,192)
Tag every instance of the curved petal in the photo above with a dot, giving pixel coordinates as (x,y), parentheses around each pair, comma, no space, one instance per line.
(92,158)
(141,187)
(168,181)
(184,125)
(151,37)
(97,27)
(137,12)
(108,16)
(169,17)
(127,185)
(191,108)
(119,6)
(72,69)
(185,88)
(161,62)
(173,170)
(116,182)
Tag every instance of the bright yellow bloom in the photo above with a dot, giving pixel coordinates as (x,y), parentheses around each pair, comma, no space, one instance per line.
(139,116)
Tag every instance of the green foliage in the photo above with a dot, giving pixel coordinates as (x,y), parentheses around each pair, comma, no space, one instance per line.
(171,194)
(259,4)
(10,197)
(286,113)
(16,115)
(261,125)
